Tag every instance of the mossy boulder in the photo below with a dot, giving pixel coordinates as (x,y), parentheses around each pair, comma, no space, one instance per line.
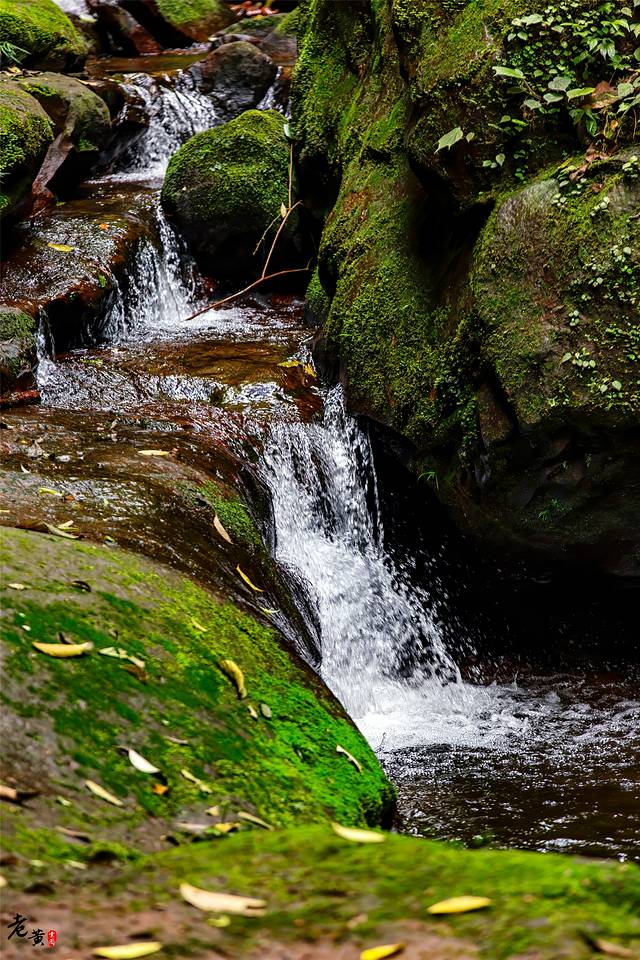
(81,122)
(25,135)
(272,753)
(501,344)
(42,32)
(224,190)
(17,349)
(196,19)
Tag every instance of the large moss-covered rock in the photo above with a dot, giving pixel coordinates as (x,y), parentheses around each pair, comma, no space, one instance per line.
(272,753)
(25,135)
(224,190)
(142,25)
(458,343)
(17,349)
(81,122)
(42,32)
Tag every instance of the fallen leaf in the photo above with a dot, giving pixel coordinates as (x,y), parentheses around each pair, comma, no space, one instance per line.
(310,372)
(611,949)
(66,525)
(290,363)
(128,951)
(3,881)
(219,921)
(61,247)
(253,712)
(81,585)
(283,210)
(178,740)
(269,611)
(196,828)
(49,492)
(138,761)
(356,835)
(154,453)
(63,649)
(221,530)
(138,672)
(222,902)
(225,828)
(34,451)
(459,905)
(350,758)
(75,834)
(121,654)
(233,671)
(9,793)
(213,811)
(248,581)
(103,226)
(57,532)
(251,818)
(204,787)
(160,788)
(17,586)
(197,625)
(380,953)
(102,793)
(265,710)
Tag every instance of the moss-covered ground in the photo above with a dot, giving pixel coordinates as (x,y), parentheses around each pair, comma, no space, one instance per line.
(272,753)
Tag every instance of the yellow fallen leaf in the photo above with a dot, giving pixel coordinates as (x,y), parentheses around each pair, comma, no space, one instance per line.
(308,369)
(121,654)
(154,453)
(381,953)
(128,951)
(17,586)
(102,793)
(459,905)
(290,363)
(221,530)
(247,581)
(65,526)
(213,811)
(233,671)
(160,788)
(350,758)
(219,921)
(268,611)
(222,902)
(251,818)
(9,793)
(356,835)
(252,711)
(58,532)
(49,492)
(283,211)
(61,247)
(204,787)
(225,827)
(3,881)
(63,649)
(612,949)
(138,761)
(197,625)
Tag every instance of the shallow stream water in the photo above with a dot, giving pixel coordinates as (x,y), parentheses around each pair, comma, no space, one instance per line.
(545,760)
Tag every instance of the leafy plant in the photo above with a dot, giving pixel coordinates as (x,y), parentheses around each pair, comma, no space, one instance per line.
(568,62)
(9,51)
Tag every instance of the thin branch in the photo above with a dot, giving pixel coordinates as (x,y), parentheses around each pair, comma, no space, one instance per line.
(275,239)
(239,293)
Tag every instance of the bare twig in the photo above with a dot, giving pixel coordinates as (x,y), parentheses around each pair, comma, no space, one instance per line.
(263,276)
(239,293)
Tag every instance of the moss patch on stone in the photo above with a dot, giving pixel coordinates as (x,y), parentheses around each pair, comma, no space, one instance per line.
(70,716)
(73,108)
(25,134)
(196,18)
(17,345)
(42,29)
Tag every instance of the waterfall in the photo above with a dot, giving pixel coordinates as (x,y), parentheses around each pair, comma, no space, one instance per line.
(177,112)
(380,641)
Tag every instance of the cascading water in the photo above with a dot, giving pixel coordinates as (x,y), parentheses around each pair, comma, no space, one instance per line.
(177,112)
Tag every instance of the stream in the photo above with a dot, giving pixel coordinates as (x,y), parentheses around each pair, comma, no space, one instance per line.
(543,760)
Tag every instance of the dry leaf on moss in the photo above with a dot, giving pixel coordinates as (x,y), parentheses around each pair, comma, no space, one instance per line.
(222,902)
(233,671)
(350,757)
(128,951)
(355,835)
(102,793)
(459,905)
(63,649)
(249,582)
(221,530)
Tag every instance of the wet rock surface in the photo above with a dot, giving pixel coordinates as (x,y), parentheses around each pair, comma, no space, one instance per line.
(236,76)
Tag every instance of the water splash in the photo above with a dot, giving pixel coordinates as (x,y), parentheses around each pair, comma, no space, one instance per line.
(177,112)
(379,640)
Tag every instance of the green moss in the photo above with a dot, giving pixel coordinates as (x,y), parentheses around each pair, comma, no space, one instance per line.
(25,134)
(17,345)
(44,30)
(240,167)
(319,888)
(73,107)
(284,768)
(234,515)
(196,18)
